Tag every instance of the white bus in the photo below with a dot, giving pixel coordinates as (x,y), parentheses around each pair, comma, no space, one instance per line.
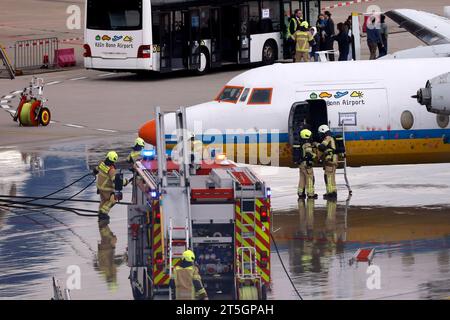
(170,35)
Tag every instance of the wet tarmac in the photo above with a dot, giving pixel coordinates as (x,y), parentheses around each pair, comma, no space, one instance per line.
(403,212)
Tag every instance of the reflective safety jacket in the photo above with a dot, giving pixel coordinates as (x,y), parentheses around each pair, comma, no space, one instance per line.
(134,156)
(187,283)
(105,177)
(308,155)
(302,41)
(328,149)
(294,23)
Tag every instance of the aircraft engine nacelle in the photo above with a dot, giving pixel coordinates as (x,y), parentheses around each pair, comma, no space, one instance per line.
(436,95)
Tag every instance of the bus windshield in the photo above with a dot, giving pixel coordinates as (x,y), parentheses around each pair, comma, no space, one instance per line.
(114,14)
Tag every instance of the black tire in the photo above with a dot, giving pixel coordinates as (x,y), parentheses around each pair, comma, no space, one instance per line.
(269,52)
(147,288)
(204,54)
(263,292)
(45,116)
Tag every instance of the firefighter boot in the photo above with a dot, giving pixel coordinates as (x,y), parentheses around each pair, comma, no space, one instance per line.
(301,195)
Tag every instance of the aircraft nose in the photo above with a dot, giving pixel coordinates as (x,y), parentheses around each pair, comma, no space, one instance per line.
(148,132)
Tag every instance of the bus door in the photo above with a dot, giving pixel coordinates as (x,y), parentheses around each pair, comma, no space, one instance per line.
(194,40)
(244,34)
(166,41)
(216,37)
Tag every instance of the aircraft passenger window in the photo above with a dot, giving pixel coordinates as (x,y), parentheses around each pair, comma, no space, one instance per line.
(261,96)
(442,120)
(230,94)
(407,120)
(244,95)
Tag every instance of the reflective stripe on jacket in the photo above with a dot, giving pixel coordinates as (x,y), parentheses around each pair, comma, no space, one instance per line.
(187,283)
(134,156)
(329,154)
(302,39)
(105,177)
(307,152)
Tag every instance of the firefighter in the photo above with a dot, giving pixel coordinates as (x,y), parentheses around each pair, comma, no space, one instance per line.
(186,280)
(291,28)
(307,157)
(329,159)
(106,184)
(135,154)
(303,40)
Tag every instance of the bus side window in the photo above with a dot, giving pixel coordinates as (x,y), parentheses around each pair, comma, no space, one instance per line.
(156,28)
(204,23)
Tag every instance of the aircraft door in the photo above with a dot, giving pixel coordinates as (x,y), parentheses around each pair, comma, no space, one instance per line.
(216,37)
(244,34)
(166,41)
(194,39)
(310,114)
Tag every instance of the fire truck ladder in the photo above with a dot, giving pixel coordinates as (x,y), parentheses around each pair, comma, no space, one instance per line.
(342,164)
(246,255)
(177,245)
(175,188)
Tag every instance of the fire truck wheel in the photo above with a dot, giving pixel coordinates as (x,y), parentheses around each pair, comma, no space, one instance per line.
(263,292)
(148,289)
(248,293)
(44,116)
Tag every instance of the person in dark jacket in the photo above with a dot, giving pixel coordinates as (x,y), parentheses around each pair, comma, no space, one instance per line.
(343,41)
(373,38)
(382,47)
(320,25)
(315,46)
(329,33)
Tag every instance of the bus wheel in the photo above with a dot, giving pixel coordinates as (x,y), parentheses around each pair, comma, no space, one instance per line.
(269,52)
(204,62)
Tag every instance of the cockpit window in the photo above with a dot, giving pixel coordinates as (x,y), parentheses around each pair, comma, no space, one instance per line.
(261,96)
(230,94)
(244,95)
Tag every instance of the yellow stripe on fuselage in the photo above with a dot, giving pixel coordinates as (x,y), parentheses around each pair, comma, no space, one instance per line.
(359,153)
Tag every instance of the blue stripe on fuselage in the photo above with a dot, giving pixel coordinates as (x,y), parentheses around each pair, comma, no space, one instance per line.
(241,138)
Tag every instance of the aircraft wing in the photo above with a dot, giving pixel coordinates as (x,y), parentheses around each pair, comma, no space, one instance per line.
(427,27)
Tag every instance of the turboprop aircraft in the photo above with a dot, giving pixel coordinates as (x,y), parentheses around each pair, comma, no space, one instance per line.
(377,105)
(433,30)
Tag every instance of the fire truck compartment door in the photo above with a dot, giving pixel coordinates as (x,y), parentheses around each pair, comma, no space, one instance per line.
(217,213)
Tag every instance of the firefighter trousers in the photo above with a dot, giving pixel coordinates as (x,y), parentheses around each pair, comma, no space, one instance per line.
(330,177)
(107,201)
(306,182)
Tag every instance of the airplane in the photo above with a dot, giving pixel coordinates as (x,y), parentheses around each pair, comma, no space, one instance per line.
(433,30)
(378,105)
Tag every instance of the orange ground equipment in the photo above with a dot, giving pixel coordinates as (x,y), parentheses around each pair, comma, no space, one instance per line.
(32,110)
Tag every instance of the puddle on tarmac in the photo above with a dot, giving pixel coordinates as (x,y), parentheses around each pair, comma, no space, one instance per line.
(410,233)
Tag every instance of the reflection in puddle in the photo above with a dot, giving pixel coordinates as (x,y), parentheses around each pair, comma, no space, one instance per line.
(412,248)
(107,261)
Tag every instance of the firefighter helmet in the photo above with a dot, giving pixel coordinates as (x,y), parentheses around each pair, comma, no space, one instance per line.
(140,142)
(324,129)
(304,24)
(305,134)
(189,256)
(112,156)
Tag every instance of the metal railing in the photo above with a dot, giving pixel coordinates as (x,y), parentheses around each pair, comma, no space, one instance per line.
(35,54)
